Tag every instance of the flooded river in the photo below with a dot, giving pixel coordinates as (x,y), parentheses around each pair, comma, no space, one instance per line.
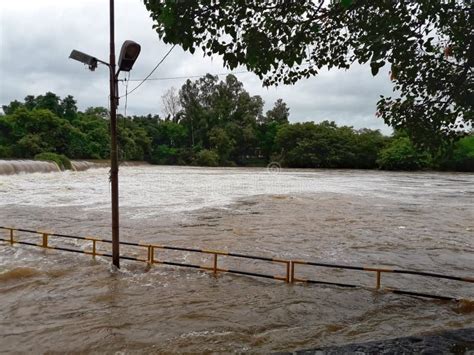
(55,301)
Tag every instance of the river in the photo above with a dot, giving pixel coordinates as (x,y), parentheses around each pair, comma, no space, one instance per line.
(55,301)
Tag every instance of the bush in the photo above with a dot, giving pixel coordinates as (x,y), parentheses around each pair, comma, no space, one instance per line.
(5,152)
(207,158)
(400,154)
(461,156)
(63,162)
(164,155)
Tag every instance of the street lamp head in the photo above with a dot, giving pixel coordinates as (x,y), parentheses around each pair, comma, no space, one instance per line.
(84,58)
(128,55)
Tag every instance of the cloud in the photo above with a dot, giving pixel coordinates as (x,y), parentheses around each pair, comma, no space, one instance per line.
(37,37)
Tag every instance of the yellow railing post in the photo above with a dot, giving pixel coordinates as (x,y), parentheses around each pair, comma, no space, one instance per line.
(379,273)
(12,239)
(93,248)
(288,268)
(215,264)
(292,271)
(45,240)
(151,252)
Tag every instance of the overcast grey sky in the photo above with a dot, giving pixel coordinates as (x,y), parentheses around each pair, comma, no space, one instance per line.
(38,35)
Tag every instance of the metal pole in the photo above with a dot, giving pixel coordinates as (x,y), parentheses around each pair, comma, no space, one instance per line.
(113,144)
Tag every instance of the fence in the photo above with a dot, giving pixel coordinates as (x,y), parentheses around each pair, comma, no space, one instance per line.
(289,265)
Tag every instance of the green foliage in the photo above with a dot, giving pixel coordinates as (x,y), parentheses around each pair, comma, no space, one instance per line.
(325,145)
(28,146)
(207,158)
(219,124)
(460,157)
(62,161)
(401,154)
(213,112)
(279,113)
(96,139)
(427,44)
(65,108)
(222,144)
(133,141)
(266,134)
(164,155)
(5,152)
(366,146)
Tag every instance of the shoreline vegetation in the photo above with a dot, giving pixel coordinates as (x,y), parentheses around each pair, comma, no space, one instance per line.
(213,123)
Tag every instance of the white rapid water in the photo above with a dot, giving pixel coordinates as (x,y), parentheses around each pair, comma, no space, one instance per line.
(154,190)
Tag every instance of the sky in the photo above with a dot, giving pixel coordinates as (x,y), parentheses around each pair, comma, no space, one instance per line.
(37,36)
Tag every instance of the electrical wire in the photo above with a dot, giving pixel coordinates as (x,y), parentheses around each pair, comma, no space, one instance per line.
(199,76)
(193,76)
(146,78)
(127,80)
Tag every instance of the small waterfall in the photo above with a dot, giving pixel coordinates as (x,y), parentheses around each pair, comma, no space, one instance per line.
(81,165)
(10,167)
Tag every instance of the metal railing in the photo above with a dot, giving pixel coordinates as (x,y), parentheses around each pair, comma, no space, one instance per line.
(378,277)
(288,277)
(151,255)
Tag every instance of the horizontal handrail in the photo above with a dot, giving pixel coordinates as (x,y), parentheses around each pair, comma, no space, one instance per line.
(219,252)
(382,269)
(151,254)
(290,264)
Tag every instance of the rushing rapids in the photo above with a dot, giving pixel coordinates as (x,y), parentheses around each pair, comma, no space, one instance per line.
(81,165)
(419,221)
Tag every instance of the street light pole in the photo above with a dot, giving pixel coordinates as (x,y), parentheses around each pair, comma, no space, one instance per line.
(113,144)
(128,55)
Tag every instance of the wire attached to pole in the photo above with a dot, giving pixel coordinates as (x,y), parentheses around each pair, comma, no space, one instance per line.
(146,78)
(194,76)
(127,80)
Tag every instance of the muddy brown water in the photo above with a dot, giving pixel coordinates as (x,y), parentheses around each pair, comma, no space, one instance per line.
(54,301)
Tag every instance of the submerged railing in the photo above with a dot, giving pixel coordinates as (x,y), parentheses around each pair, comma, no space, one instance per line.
(289,265)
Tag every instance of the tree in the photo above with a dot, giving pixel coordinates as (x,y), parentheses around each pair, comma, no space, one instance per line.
(68,107)
(460,157)
(49,101)
(401,154)
(367,145)
(429,46)
(208,103)
(207,158)
(279,113)
(309,145)
(266,139)
(11,107)
(222,144)
(97,111)
(171,104)
(193,97)
(229,131)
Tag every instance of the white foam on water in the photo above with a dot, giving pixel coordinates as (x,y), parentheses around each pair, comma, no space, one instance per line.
(147,191)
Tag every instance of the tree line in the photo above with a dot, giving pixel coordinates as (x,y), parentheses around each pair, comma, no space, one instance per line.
(209,122)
